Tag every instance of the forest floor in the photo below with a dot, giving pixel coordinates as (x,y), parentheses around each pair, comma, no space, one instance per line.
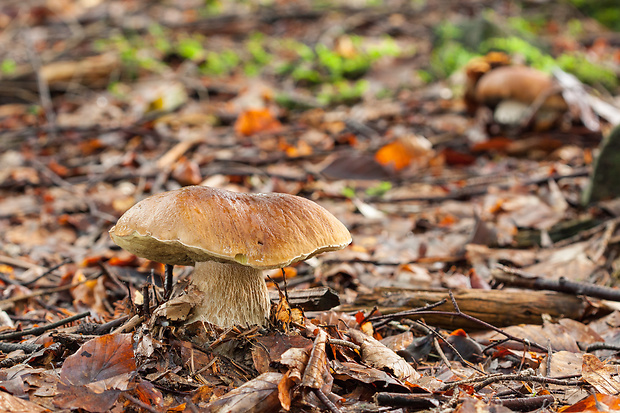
(477,279)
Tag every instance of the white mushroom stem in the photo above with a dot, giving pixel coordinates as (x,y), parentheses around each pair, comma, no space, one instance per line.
(233,294)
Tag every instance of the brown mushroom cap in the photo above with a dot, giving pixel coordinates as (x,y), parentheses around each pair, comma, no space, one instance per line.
(198,223)
(518,83)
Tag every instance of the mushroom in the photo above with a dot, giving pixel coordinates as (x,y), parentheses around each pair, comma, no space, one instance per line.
(230,238)
(512,91)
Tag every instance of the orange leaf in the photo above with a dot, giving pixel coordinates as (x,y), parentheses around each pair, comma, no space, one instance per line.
(254,121)
(589,404)
(394,154)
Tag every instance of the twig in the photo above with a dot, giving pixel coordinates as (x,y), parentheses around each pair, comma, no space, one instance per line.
(25,347)
(140,403)
(440,337)
(527,378)
(602,346)
(416,402)
(527,404)
(332,407)
(407,313)
(133,322)
(485,324)
(11,361)
(42,329)
(343,343)
(519,278)
(48,271)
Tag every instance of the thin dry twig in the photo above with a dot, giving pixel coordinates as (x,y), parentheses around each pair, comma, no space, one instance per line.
(42,329)
(323,397)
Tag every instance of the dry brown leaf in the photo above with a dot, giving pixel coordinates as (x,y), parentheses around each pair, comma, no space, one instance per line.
(296,360)
(317,363)
(108,359)
(352,371)
(271,348)
(179,308)
(256,396)
(379,356)
(599,375)
(12,404)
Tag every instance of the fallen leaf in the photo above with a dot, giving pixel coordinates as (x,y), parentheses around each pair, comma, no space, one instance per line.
(12,404)
(255,121)
(104,358)
(379,356)
(256,396)
(599,375)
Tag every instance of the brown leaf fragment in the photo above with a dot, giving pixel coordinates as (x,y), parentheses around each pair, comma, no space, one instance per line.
(93,377)
(285,390)
(104,358)
(255,396)
(12,404)
(148,394)
(82,397)
(179,308)
(269,349)
(592,404)
(352,371)
(296,360)
(599,375)
(317,363)
(379,356)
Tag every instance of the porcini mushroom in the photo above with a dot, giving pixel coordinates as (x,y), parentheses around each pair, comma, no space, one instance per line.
(512,90)
(230,238)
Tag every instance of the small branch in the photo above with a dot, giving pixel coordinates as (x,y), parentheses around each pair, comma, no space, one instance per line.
(25,347)
(518,278)
(343,343)
(414,401)
(527,404)
(423,311)
(526,378)
(140,403)
(407,313)
(323,397)
(129,325)
(48,271)
(602,346)
(42,329)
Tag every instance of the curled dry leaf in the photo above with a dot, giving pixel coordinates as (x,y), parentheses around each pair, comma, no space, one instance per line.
(379,356)
(317,363)
(178,308)
(256,396)
(296,360)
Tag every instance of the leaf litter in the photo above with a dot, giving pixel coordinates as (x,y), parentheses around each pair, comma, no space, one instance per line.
(444,208)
